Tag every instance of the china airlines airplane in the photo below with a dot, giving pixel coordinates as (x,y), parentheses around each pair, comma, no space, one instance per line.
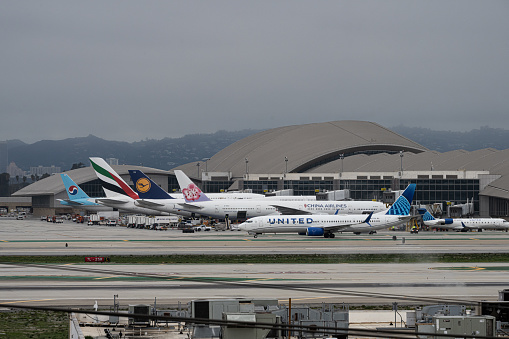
(198,202)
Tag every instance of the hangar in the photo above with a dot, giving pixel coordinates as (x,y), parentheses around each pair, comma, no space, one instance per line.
(363,157)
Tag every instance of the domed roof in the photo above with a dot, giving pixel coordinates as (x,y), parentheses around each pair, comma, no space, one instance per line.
(305,147)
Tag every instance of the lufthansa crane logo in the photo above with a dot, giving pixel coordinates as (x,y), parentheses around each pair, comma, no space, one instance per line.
(143,185)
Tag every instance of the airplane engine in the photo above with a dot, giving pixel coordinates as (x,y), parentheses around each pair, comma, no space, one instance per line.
(314,231)
(448,221)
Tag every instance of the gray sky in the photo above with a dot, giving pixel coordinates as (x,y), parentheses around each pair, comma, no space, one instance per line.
(130,70)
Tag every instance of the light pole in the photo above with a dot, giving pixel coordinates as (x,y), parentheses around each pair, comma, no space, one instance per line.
(401,157)
(342,157)
(205,159)
(286,165)
(247,169)
(198,166)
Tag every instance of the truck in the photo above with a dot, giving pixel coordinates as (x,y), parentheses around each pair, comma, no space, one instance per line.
(94,219)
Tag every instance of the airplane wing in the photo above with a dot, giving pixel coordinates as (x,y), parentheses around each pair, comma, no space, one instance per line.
(71,202)
(289,210)
(188,206)
(340,227)
(467,227)
(147,203)
(110,201)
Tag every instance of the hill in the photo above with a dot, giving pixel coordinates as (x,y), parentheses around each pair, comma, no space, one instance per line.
(163,154)
(172,152)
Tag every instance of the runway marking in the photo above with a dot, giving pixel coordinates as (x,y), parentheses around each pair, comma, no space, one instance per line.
(4,240)
(101,278)
(311,298)
(470,268)
(25,301)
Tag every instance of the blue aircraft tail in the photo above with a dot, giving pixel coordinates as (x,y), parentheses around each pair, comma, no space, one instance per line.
(426,216)
(402,205)
(146,188)
(73,191)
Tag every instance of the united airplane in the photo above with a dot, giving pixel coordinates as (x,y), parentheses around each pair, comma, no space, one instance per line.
(465,224)
(198,202)
(78,198)
(328,225)
(118,193)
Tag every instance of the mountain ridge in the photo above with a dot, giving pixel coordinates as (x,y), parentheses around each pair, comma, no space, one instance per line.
(169,153)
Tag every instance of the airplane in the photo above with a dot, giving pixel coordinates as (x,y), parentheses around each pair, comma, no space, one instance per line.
(118,193)
(327,225)
(198,202)
(78,198)
(154,197)
(465,224)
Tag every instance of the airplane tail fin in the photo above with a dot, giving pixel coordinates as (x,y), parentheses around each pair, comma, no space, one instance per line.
(191,192)
(146,188)
(402,205)
(427,216)
(112,183)
(73,191)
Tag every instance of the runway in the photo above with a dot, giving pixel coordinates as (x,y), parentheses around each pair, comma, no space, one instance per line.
(79,285)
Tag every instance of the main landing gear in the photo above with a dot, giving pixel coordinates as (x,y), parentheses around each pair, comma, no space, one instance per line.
(329,235)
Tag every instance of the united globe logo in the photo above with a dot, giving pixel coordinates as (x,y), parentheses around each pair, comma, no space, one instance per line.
(143,185)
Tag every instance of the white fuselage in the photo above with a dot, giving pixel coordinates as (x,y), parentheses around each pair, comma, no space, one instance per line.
(126,204)
(243,209)
(334,223)
(468,223)
(226,195)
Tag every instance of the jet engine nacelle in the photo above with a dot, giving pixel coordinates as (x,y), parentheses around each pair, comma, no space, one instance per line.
(448,221)
(314,231)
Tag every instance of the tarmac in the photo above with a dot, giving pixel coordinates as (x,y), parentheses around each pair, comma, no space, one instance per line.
(80,285)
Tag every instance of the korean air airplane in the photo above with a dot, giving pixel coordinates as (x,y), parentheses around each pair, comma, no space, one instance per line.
(118,193)
(78,198)
(198,202)
(328,225)
(465,224)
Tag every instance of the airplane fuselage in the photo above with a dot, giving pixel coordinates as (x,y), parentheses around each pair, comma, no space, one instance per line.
(468,223)
(243,209)
(305,224)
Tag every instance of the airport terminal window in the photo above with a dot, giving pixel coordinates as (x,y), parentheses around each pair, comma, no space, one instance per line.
(41,201)
(93,188)
(216,186)
(308,187)
(173,185)
(261,186)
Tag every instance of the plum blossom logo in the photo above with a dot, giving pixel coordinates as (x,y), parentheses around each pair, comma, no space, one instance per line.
(192,192)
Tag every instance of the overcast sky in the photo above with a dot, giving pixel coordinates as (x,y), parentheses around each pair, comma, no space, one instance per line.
(130,70)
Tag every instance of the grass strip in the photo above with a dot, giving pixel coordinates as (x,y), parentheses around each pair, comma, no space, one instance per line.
(271,258)
(34,324)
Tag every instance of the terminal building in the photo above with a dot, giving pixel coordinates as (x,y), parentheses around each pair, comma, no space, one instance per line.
(362,157)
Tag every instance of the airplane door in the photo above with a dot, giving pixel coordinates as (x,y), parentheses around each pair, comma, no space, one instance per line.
(217,209)
(258,209)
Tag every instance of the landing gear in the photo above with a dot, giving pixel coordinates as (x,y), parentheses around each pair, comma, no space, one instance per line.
(329,235)
(372,232)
